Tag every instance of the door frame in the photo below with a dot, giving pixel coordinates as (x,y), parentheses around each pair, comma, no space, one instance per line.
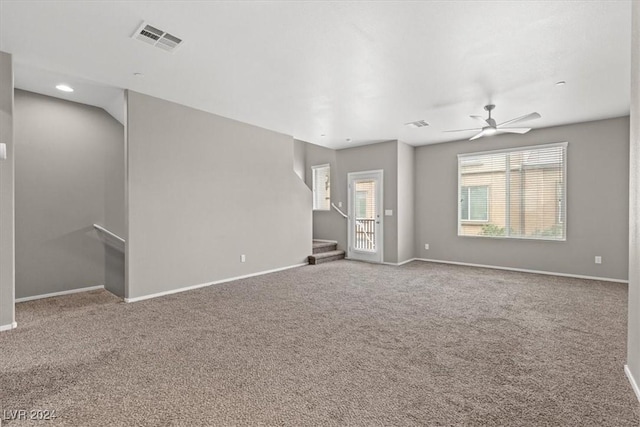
(353,254)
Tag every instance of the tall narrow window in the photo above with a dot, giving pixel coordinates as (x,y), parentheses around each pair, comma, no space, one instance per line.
(516,193)
(321,178)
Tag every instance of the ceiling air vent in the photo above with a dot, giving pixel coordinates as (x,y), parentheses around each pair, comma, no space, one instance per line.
(417,124)
(157,37)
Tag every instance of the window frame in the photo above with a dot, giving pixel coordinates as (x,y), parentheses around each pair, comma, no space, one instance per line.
(466,156)
(469,220)
(313,188)
(562,203)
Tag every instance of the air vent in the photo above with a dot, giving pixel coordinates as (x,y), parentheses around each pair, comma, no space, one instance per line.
(156,37)
(417,124)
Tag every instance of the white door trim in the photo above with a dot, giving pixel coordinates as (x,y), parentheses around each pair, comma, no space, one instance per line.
(378,257)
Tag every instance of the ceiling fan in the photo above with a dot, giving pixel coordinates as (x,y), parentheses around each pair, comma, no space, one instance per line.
(489,126)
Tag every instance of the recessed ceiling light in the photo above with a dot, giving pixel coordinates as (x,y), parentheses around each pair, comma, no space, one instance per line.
(64,88)
(561,83)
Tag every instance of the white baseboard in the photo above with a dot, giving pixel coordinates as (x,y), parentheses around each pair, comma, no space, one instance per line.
(57,294)
(204,285)
(523,270)
(8,327)
(397,264)
(325,241)
(634,384)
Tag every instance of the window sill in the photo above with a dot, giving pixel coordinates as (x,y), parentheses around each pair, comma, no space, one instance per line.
(539,239)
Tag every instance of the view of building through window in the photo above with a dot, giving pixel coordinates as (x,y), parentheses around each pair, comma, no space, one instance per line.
(516,193)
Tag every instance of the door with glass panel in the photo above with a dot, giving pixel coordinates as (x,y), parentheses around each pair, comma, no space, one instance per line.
(365,216)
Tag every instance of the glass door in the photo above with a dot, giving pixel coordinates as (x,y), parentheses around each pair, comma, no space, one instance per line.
(365,216)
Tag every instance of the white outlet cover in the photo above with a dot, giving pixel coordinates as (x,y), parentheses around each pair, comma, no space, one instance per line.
(388,212)
(426,246)
(339,204)
(3,151)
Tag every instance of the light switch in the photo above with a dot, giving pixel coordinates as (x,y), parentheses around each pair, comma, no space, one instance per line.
(388,212)
(3,151)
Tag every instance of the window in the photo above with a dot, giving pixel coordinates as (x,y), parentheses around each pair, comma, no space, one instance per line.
(516,193)
(321,187)
(474,203)
(361,204)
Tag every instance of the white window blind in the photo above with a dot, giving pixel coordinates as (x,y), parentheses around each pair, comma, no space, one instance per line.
(365,211)
(321,178)
(516,193)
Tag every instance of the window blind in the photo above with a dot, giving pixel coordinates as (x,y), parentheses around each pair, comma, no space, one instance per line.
(321,178)
(365,211)
(515,193)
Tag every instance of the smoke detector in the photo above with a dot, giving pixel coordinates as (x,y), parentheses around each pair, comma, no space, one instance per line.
(157,37)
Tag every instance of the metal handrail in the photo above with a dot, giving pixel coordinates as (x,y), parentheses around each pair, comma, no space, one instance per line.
(339,211)
(108,233)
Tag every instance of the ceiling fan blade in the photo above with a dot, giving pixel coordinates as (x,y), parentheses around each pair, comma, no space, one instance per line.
(513,130)
(481,119)
(481,134)
(464,130)
(529,116)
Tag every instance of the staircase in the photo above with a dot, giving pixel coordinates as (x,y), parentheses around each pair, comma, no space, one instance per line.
(325,252)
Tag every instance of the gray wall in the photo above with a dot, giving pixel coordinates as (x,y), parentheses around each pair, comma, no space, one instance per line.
(6,193)
(69,175)
(597,205)
(371,157)
(327,225)
(633,347)
(202,190)
(330,225)
(299,153)
(406,202)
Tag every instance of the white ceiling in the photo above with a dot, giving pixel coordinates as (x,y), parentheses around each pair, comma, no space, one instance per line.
(357,70)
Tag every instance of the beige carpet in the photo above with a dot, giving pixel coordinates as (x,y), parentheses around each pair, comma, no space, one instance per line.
(342,343)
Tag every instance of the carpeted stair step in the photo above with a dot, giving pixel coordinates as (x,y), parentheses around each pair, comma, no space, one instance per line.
(326,257)
(320,247)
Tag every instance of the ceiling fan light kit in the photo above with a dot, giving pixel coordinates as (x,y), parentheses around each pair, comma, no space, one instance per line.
(489,126)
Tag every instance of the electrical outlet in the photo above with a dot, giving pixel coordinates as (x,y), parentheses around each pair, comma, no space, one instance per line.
(598,260)
(243,258)
(426,246)
(339,204)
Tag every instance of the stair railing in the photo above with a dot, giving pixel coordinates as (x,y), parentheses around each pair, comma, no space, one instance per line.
(339,211)
(365,231)
(110,237)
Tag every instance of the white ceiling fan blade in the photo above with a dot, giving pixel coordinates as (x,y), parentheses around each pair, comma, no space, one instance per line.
(481,134)
(513,130)
(529,116)
(481,119)
(464,130)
